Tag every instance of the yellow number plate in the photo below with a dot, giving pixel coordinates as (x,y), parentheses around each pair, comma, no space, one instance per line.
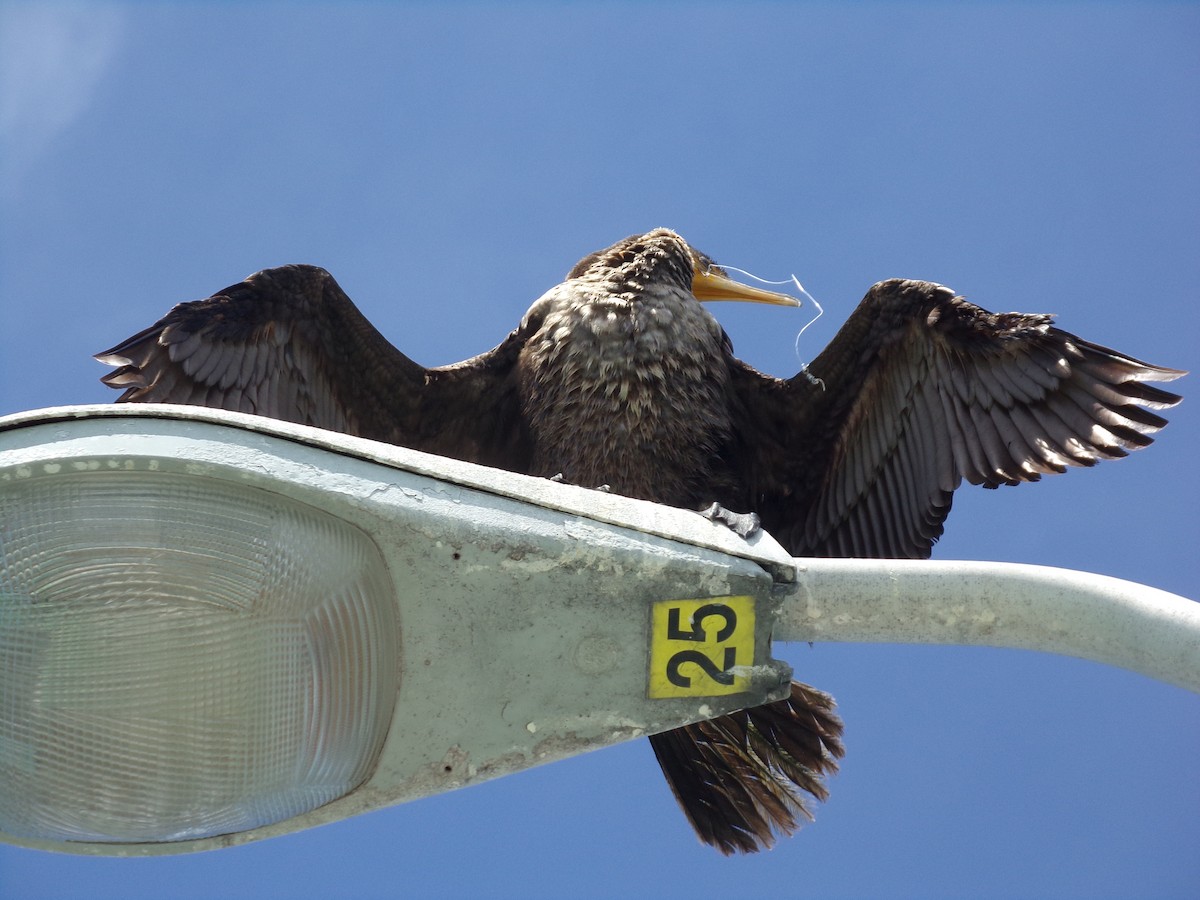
(698,647)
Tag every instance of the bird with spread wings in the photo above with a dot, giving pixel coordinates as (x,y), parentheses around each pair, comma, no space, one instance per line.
(618,376)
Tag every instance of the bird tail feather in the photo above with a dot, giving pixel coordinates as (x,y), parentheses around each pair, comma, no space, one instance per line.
(745,778)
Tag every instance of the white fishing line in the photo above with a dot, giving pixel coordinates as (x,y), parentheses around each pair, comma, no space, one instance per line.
(793,280)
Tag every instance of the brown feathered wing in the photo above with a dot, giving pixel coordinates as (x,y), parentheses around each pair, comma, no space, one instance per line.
(288,343)
(920,389)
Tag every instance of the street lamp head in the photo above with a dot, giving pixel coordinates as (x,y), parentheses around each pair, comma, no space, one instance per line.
(217,627)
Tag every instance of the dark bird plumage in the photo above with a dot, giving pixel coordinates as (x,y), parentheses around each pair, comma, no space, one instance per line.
(619,376)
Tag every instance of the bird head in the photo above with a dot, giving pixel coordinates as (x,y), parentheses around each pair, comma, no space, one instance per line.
(662,257)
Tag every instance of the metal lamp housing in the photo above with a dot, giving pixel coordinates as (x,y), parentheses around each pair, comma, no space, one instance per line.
(216,627)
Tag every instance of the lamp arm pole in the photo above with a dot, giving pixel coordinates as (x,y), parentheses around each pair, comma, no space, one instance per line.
(995,604)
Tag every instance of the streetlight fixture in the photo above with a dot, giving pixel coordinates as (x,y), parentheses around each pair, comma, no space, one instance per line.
(216,627)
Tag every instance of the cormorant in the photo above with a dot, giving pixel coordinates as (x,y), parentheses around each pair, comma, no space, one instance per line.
(619,377)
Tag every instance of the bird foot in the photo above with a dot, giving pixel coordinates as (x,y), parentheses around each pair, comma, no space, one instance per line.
(744,525)
(559,479)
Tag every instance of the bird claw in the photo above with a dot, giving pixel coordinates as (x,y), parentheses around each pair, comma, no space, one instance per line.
(744,525)
(559,479)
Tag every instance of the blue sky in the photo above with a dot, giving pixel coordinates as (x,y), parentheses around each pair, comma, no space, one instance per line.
(449,163)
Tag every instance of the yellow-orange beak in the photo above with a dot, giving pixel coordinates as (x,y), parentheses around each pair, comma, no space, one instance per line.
(713,286)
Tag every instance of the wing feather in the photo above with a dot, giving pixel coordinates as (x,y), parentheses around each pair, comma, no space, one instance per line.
(288,343)
(922,390)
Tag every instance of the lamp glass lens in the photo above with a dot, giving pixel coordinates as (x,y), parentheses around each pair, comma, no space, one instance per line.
(182,657)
